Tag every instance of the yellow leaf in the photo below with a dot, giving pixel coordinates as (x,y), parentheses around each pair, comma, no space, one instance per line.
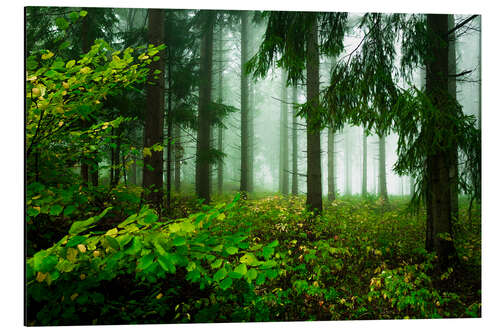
(65,85)
(74,296)
(160,295)
(112,232)
(41,276)
(146,152)
(82,276)
(71,254)
(85,70)
(47,55)
(37,197)
(61,123)
(82,248)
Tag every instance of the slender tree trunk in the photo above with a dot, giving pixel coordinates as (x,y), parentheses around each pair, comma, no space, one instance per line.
(220,98)
(284,170)
(178,157)
(364,180)
(440,206)
(244,180)
(331,164)
(204,110)
(86,42)
(251,137)
(295,176)
(452,90)
(382,188)
(348,179)
(152,178)
(133,172)
(314,196)
(169,130)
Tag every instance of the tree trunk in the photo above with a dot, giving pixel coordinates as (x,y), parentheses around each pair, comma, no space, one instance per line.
(169,130)
(439,161)
(314,196)
(251,137)
(331,164)
(364,180)
(452,90)
(295,176)
(284,170)
(244,180)
(204,110)
(220,99)
(382,180)
(347,156)
(152,178)
(178,157)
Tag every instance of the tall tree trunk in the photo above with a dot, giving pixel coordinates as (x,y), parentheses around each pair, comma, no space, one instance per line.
(169,129)
(295,176)
(452,90)
(364,179)
(220,99)
(86,43)
(152,179)
(348,178)
(440,206)
(204,110)
(314,196)
(331,164)
(251,137)
(178,157)
(284,170)
(382,180)
(244,180)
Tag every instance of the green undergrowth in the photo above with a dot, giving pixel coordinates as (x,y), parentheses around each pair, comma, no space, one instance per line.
(261,259)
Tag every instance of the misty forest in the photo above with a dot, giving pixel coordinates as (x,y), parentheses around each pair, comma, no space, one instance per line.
(233,166)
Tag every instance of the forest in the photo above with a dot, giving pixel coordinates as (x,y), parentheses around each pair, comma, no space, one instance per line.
(203,166)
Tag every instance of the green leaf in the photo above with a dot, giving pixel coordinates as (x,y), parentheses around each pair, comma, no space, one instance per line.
(69,209)
(267,252)
(81,226)
(216,264)
(83,13)
(145,261)
(128,220)
(226,283)
(74,16)
(241,269)
(249,259)
(261,279)
(75,240)
(252,274)
(187,226)
(178,241)
(167,263)
(61,23)
(32,212)
(113,243)
(220,274)
(55,210)
(274,243)
(70,64)
(135,247)
(231,250)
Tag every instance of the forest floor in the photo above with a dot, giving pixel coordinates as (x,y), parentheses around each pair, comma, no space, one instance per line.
(261,259)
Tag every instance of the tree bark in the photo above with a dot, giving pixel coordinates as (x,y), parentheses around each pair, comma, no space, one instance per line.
(244,179)
(382,180)
(295,176)
(452,90)
(331,164)
(284,170)
(204,110)
(220,99)
(347,157)
(439,160)
(314,196)
(178,157)
(152,178)
(364,180)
